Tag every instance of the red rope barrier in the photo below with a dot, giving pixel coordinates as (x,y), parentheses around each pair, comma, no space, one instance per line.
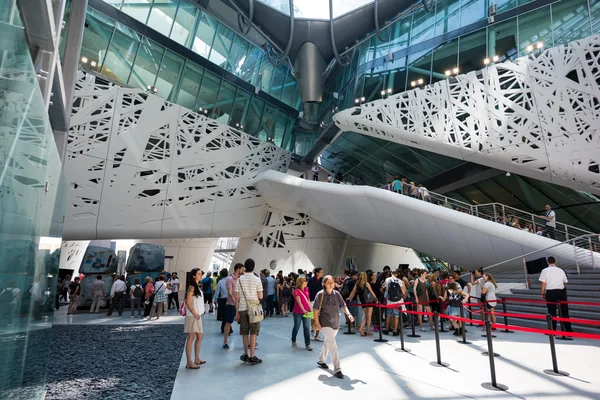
(515,300)
(576,321)
(547,332)
(477,322)
(532,316)
(419,313)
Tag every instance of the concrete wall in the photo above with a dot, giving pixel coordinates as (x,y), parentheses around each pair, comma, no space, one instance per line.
(374,256)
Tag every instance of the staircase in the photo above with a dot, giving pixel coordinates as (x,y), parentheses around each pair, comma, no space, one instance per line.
(583,275)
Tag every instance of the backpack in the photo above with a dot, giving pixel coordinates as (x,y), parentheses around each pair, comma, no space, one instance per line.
(7,296)
(394,290)
(345,290)
(138,292)
(454,299)
(207,286)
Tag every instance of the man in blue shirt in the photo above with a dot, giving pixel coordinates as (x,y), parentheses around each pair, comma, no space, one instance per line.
(208,292)
(271,284)
(397,185)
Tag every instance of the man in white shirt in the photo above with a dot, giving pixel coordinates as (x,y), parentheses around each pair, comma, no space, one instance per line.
(117,295)
(248,289)
(554,281)
(550,222)
(174,285)
(315,171)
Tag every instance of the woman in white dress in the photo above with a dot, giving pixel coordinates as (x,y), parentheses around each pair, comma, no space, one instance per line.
(194,303)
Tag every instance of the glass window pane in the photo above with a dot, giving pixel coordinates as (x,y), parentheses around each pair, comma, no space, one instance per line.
(147,63)
(239,113)
(120,57)
(253,121)
(204,35)
(267,124)
(207,97)
(224,105)
(505,43)
(472,52)
(396,79)
(595,14)
(447,16)
(472,11)
(265,75)
(169,75)
(374,83)
(505,5)
(445,60)
(380,48)
(422,26)
(250,67)
(237,55)
(190,84)
(162,15)
(419,68)
(362,50)
(280,125)
(278,80)
(221,46)
(289,90)
(137,9)
(96,37)
(400,33)
(185,22)
(534,27)
(289,134)
(570,21)
(115,3)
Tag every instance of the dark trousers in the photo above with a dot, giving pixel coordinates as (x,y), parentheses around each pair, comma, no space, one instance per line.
(221,303)
(270,305)
(37,310)
(554,296)
(148,307)
(56,301)
(117,300)
(549,231)
(315,177)
(173,296)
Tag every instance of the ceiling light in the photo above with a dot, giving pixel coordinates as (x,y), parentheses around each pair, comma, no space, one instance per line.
(486,61)
(93,63)
(540,45)
(447,73)
(200,110)
(420,81)
(362,99)
(148,87)
(356,101)
(413,83)
(155,90)
(389,90)
(529,48)
(495,58)
(455,70)
(241,126)
(84,60)
(383,92)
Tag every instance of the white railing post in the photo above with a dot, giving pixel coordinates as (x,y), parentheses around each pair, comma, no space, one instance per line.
(567,232)
(534,224)
(525,270)
(576,259)
(477,211)
(495,215)
(504,212)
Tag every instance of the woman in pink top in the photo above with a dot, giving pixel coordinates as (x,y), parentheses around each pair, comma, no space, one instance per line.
(301,310)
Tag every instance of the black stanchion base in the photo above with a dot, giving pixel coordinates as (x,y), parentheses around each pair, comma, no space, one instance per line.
(555,373)
(415,335)
(498,388)
(485,353)
(563,338)
(403,351)
(435,364)
(349,333)
(507,331)
(380,340)
(464,342)
(484,335)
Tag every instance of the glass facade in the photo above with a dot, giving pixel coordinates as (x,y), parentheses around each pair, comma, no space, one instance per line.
(425,46)
(31,207)
(128,57)
(187,25)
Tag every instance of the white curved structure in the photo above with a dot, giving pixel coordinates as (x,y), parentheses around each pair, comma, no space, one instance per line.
(538,116)
(382,216)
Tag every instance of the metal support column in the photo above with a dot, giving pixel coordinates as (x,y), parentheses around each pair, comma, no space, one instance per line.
(73,41)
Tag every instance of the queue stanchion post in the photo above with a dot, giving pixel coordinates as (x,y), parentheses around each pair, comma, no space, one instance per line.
(350,331)
(470,312)
(380,339)
(506,330)
(493,385)
(438,362)
(486,317)
(562,326)
(554,371)
(464,327)
(413,334)
(401,327)
(441,319)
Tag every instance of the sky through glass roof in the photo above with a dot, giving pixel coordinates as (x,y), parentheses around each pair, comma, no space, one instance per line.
(316,9)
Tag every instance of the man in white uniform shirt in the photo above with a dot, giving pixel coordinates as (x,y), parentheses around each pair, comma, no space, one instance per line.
(554,281)
(117,295)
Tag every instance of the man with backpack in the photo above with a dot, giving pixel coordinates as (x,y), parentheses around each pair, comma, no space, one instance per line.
(347,288)
(207,291)
(394,293)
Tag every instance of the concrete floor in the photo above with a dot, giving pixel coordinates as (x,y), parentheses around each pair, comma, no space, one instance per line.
(381,371)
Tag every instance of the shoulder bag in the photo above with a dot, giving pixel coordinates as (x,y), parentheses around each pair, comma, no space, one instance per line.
(310,314)
(255,311)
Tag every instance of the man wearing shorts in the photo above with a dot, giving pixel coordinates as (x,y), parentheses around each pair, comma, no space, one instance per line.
(229,314)
(248,288)
(393,313)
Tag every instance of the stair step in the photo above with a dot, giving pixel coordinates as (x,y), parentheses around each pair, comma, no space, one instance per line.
(542,310)
(541,324)
(580,295)
(591,287)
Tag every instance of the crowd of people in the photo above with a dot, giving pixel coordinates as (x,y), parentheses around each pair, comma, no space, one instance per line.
(314,300)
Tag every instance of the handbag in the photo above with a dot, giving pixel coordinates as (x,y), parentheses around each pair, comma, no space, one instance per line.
(183,309)
(255,311)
